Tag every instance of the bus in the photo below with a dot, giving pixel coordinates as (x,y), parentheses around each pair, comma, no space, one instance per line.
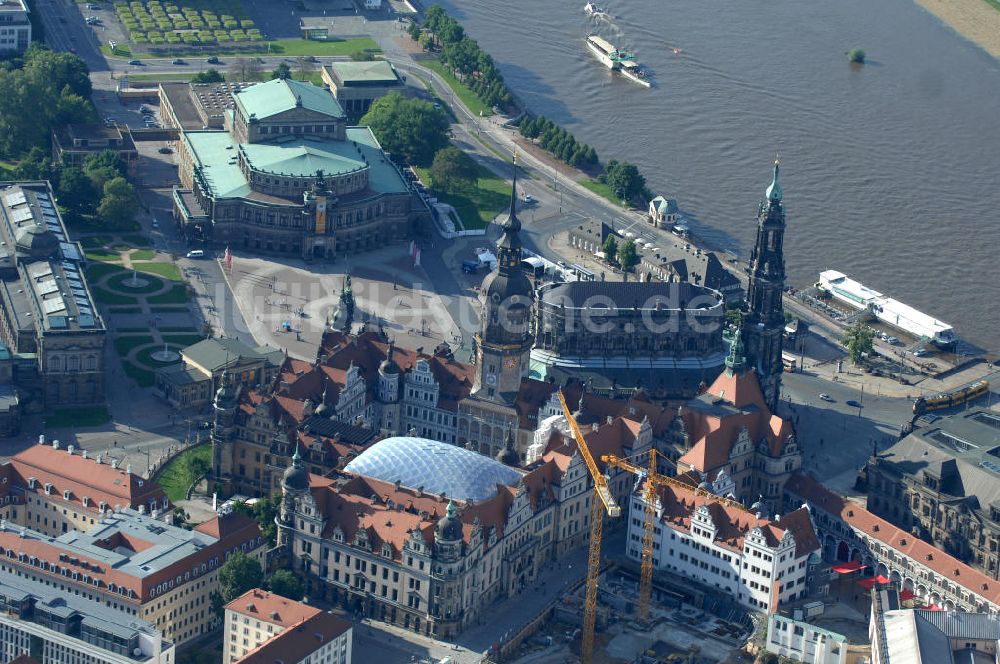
(788,362)
(948,399)
(533,266)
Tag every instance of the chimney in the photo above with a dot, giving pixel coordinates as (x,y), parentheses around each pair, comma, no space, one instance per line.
(128,469)
(84,454)
(114,463)
(41,439)
(55,444)
(70,449)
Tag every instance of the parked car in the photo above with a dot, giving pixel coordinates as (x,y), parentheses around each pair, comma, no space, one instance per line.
(177,61)
(920,352)
(826,397)
(196,253)
(853,404)
(165,150)
(156,224)
(213,60)
(137,63)
(529,199)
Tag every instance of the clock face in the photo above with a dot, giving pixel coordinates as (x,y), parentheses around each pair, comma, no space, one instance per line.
(510,363)
(491,379)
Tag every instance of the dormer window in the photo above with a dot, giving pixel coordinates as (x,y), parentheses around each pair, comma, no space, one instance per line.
(86,501)
(32,482)
(66,494)
(48,488)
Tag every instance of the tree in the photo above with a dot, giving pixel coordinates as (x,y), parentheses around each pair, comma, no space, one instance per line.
(239,574)
(413,31)
(426,41)
(859,341)
(118,205)
(210,76)
(103,167)
(71,108)
(628,257)
(35,165)
(453,170)
(286,584)
(282,71)
(76,191)
(625,180)
(245,69)
(264,512)
(610,248)
(362,56)
(409,128)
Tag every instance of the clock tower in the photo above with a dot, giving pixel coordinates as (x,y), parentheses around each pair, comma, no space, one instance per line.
(488,420)
(504,341)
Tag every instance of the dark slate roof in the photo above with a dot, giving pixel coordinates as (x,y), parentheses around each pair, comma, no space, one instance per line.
(213,353)
(628,294)
(345,433)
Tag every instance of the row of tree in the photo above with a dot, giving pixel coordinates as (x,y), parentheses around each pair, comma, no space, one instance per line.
(462,54)
(559,142)
(38,92)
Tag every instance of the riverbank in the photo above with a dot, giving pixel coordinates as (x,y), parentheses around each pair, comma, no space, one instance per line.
(976,20)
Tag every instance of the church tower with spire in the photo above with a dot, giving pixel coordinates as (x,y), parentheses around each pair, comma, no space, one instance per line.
(764,320)
(505,339)
(224,407)
(502,349)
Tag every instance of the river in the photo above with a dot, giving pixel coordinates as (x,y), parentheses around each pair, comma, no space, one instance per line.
(891,171)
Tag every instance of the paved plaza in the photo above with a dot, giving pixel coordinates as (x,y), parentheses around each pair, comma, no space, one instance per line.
(388,289)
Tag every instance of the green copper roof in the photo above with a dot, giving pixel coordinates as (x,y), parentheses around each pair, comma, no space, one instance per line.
(774,190)
(376,71)
(303,157)
(265,100)
(215,158)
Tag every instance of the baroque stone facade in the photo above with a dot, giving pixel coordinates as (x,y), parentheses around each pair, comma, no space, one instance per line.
(288,176)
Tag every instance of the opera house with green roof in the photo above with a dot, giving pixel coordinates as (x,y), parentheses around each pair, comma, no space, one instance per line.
(287,176)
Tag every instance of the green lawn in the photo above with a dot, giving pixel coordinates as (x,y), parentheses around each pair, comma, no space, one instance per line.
(105,296)
(125,345)
(176,295)
(142,255)
(165,270)
(138,241)
(91,416)
(179,77)
(185,330)
(95,241)
(182,471)
(329,47)
(142,377)
(465,94)
(183,340)
(476,207)
(126,310)
(602,189)
(103,255)
(96,271)
(132,330)
(289,47)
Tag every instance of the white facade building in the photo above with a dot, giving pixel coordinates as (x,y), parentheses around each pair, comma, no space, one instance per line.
(719,543)
(15,27)
(803,642)
(263,628)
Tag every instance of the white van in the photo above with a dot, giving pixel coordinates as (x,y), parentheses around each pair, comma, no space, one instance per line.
(196,253)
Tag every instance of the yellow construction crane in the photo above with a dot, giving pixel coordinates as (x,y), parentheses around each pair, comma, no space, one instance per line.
(653,480)
(602,501)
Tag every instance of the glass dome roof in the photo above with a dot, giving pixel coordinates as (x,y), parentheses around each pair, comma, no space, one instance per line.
(439,468)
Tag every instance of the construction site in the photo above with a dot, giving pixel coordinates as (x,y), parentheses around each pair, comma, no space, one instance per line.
(620,613)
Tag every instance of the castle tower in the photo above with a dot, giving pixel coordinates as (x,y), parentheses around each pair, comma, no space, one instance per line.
(294,485)
(505,339)
(223,427)
(764,320)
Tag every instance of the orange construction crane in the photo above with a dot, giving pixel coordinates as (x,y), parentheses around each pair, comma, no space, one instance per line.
(602,501)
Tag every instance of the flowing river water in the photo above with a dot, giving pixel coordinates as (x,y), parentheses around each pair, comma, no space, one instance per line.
(891,171)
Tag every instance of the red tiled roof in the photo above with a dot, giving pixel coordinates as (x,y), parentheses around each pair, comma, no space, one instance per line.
(732,521)
(879,529)
(296,642)
(236,530)
(83,477)
(712,436)
(272,608)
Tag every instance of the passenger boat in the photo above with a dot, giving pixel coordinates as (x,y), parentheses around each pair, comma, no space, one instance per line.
(617,60)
